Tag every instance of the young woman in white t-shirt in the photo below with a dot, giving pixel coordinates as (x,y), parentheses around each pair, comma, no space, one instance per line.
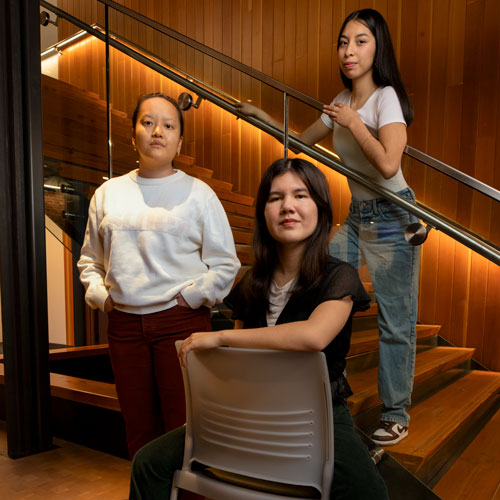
(369,121)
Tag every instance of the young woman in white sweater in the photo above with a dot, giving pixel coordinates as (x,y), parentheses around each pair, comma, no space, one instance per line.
(158,253)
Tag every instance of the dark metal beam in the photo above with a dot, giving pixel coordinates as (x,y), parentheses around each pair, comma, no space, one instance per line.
(22,242)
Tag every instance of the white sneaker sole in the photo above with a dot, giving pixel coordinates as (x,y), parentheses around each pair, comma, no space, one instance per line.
(392,441)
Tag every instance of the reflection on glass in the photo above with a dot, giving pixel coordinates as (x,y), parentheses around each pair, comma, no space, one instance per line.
(75,162)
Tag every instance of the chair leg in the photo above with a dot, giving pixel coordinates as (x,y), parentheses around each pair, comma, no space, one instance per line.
(174,493)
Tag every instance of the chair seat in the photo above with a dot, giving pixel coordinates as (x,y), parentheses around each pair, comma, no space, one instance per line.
(263,485)
(203,484)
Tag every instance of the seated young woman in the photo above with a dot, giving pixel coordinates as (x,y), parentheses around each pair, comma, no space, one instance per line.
(295,297)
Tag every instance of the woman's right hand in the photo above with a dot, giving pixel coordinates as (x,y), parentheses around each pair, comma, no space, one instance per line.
(248,109)
(199,341)
(109,305)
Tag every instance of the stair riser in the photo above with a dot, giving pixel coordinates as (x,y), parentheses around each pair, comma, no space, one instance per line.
(367,360)
(367,420)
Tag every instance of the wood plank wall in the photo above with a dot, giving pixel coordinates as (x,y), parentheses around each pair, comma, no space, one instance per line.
(449,53)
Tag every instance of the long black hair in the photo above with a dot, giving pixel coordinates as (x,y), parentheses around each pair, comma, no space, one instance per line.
(385,67)
(145,97)
(314,260)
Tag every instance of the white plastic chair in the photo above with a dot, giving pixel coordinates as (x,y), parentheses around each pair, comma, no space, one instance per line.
(260,421)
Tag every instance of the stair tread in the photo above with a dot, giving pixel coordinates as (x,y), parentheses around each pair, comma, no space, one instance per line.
(367,340)
(476,473)
(194,170)
(438,418)
(235,208)
(427,364)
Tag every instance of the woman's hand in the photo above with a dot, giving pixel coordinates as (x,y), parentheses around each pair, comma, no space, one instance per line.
(181,301)
(109,305)
(342,114)
(249,109)
(199,341)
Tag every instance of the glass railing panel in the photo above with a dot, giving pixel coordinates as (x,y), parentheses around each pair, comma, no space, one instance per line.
(227,82)
(75,162)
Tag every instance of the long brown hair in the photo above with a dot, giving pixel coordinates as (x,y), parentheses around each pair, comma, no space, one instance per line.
(315,257)
(385,66)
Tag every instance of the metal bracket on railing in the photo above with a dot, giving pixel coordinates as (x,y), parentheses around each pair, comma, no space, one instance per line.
(185,101)
(69,216)
(416,233)
(285,124)
(45,19)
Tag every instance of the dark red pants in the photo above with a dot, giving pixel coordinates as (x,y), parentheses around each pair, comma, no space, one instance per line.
(147,372)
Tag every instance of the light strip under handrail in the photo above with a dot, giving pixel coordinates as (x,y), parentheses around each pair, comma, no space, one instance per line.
(458,233)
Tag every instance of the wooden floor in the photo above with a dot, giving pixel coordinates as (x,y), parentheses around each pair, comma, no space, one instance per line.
(68,472)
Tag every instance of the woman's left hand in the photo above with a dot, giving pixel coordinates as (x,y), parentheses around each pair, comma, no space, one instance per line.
(181,301)
(341,113)
(198,342)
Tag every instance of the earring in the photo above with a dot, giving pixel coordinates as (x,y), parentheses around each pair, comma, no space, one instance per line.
(178,152)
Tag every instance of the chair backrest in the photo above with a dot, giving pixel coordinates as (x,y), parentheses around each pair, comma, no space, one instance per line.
(261,413)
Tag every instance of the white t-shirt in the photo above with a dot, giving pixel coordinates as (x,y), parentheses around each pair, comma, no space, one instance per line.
(278,298)
(381,108)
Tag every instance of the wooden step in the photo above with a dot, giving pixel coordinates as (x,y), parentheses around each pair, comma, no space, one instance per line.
(367,340)
(194,170)
(476,473)
(235,208)
(438,420)
(188,161)
(241,222)
(427,364)
(244,237)
(84,391)
(245,254)
(226,195)
(80,390)
(220,187)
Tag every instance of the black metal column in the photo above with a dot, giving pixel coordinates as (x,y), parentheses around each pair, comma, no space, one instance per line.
(22,236)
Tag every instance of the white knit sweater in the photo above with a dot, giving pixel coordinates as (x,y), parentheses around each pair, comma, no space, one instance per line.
(149,239)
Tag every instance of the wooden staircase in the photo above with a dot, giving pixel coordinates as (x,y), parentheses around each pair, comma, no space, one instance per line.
(238,207)
(451,404)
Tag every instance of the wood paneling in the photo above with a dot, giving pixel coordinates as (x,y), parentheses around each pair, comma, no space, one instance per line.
(448,51)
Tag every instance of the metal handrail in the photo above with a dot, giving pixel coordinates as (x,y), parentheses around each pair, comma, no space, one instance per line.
(457,232)
(452,172)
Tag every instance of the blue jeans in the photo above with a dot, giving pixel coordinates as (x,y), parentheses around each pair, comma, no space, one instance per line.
(373,233)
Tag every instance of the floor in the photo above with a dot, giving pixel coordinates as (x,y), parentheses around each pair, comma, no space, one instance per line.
(67,472)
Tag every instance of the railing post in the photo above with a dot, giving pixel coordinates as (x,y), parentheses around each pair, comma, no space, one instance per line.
(285,124)
(108,98)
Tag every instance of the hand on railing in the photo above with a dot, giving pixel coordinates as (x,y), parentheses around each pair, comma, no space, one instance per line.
(250,110)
